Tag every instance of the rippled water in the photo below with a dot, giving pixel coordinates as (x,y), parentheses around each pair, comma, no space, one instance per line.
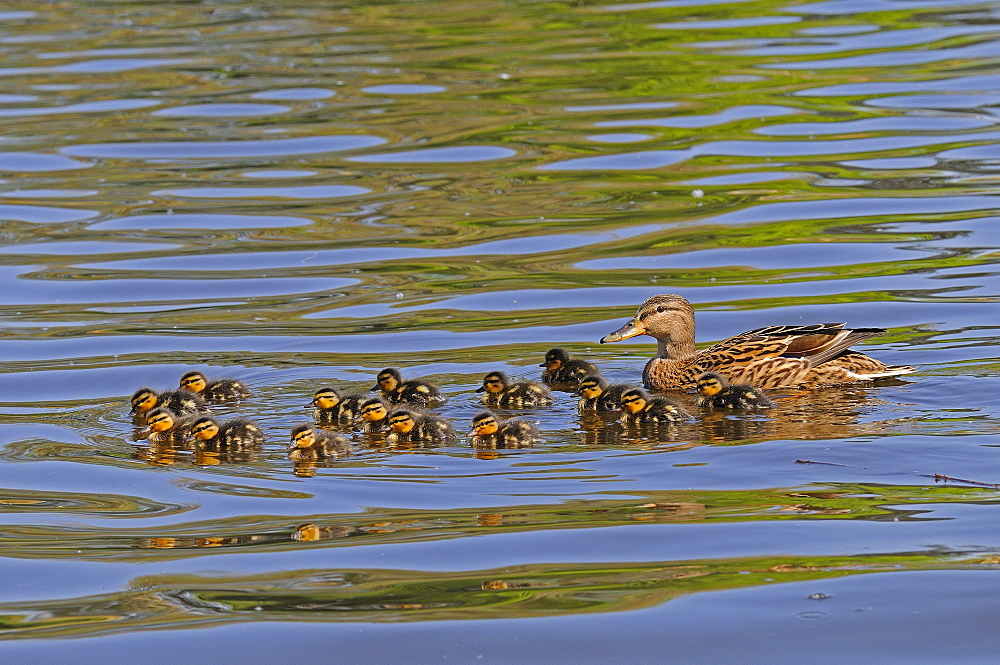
(300,194)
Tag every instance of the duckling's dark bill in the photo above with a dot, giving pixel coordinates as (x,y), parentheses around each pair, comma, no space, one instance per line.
(630,329)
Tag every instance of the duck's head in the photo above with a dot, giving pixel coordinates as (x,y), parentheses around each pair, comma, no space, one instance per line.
(204,428)
(555,359)
(484,424)
(388,380)
(303,436)
(667,317)
(143,400)
(325,398)
(372,410)
(591,387)
(711,383)
(633,400)
(493,383)
(194,381)
(160,420)
(402,421)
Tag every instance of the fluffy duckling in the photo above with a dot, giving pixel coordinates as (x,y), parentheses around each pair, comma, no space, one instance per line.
(408,425)
(641,408)
(332,407)
(311,444)
(236,433)
(499,391)
(394,390)
(373,414)
(716,392)
(596,395)
(561,368)
(181,402)
(490,432)
(165,426)
(220,390)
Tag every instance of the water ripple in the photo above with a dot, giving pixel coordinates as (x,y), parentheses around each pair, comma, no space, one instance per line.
(223,149)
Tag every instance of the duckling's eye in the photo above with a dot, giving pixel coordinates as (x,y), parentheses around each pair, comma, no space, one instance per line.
(201,428)
(301,436)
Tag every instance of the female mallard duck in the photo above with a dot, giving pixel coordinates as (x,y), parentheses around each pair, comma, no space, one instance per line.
(373,413)
(561,368)
(499,391)
(408,425)
(165,426)
(596,395)
(311,444)
(332,407)
(771,357)
(716,392)
(220,390)
(394,390)
(489,432)
(181,402)
(235,433)
(640,408)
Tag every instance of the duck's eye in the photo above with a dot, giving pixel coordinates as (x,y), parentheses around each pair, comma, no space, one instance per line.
(660,309)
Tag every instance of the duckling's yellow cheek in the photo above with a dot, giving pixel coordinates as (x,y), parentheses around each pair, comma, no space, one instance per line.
(145,404)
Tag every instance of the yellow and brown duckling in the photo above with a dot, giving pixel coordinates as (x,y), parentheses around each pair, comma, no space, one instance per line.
(641,408)
(488,431)
(770,357)
(498,390)
(561,368)
(715,391)
(372,414)
(312,444)
(236,433)
(165,426)
(394,390)
(596,395)
(410,425)
(181,402)
(331,407)
(220,390)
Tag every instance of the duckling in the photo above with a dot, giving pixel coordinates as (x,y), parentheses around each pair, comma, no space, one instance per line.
(394,390)
(716,392)
(332,407)
(641,408)
(165,426)
(596,395)
(181,402)
(561,368)
(408,425)
(236,433)
(374,413)
(220,390)
(499,391)
(490,432)
(311,444)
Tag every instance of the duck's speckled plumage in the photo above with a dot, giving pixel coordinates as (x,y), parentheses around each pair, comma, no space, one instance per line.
(770,357)
(716,392)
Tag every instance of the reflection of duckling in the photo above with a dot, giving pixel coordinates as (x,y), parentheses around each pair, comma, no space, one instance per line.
(373,412)
(596,395)
(489,432)
(499,391)
(311,444)
(220,390)
(641,408)
(311,532)
(181,402)
(406,425)
(394,390)
(717,392)
(164,426)
(332,407)
(236,433)
(561,368)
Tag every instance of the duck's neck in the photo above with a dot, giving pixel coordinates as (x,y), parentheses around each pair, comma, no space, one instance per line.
(672,348)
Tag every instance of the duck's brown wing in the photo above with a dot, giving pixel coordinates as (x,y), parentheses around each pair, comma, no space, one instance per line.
(818,342)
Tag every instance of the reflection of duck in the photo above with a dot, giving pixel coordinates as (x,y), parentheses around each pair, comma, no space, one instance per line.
(407,425)
(373,413)
(499,391)
(310,444)
(771,357)
(561,368)
(596,395)
(639,407)
(332,407)
(181,402)
(394,390)
(717,392)
(220,390)
(489,432)
(235,433)
(164,426)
